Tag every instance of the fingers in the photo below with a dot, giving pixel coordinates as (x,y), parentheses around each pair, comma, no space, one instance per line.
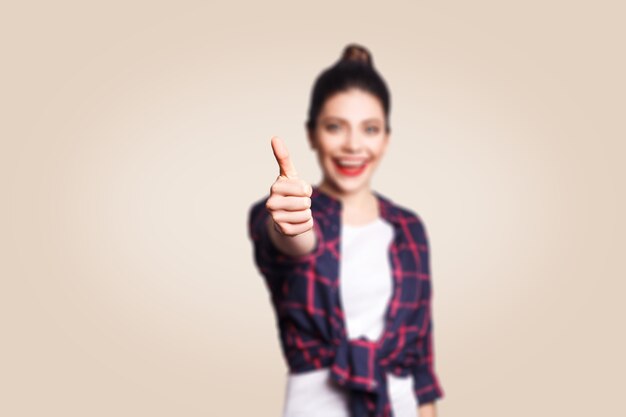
(289,203)
(281,154)
(290,187)
(291,229)
(292,217)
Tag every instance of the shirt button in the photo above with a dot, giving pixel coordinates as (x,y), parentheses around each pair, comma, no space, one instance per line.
(373,384)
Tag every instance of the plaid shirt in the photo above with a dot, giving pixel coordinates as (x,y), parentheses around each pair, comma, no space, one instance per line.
(304,292)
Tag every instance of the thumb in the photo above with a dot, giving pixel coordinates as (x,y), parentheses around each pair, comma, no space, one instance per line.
(282,157)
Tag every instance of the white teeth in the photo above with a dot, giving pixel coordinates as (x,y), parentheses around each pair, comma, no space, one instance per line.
(352,164)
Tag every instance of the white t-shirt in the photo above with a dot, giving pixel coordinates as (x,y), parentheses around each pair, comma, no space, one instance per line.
(365,288)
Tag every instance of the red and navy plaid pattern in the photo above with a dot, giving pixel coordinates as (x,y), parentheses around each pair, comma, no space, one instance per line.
(304,292)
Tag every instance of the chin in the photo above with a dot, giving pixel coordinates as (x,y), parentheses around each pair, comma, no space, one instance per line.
(346,184)
(349,186)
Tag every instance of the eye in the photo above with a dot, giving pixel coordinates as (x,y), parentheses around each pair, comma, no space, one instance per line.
(332,127)
(372,129)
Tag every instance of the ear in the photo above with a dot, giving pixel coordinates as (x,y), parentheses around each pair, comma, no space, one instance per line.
(386,141)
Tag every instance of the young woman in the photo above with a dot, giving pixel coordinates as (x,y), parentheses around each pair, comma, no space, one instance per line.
(347,269)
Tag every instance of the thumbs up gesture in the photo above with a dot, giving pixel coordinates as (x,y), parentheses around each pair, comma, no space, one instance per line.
(289,203)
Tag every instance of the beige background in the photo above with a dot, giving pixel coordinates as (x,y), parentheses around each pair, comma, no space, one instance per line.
(135,136)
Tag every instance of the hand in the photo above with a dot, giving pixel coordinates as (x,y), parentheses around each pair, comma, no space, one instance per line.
(289,203)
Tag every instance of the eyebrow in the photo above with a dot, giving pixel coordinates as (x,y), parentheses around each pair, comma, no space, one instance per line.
(371,119)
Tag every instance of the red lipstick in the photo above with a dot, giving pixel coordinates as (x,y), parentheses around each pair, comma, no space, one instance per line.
(350,171)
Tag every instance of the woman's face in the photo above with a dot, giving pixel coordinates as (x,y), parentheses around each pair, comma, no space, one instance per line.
(350,139)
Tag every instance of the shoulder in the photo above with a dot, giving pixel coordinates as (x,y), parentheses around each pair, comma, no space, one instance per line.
(408,216)
(257,213)
(258,205)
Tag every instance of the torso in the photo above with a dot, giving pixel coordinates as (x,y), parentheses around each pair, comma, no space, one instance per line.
(365,289)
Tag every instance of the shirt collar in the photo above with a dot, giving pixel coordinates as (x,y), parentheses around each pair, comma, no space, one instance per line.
(388,209)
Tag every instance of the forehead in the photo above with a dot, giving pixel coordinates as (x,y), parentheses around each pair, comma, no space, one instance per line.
(352,105)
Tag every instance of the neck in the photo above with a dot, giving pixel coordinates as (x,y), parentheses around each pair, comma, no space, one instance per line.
(356,205)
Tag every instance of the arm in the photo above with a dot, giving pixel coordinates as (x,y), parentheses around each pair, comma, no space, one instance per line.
(272,262)
(426,382)
(427,410)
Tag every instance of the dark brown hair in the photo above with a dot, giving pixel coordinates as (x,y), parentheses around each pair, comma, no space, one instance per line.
(354,69)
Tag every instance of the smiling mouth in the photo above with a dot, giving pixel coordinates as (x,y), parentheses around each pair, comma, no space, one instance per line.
(350,168)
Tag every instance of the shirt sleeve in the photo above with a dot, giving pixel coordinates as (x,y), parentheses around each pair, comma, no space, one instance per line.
(271,262)
(426,384)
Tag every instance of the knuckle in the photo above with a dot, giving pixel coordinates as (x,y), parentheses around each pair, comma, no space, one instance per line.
(306,226)
(286,230)
(279,227)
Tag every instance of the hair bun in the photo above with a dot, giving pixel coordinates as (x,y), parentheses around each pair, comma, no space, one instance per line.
(357,53)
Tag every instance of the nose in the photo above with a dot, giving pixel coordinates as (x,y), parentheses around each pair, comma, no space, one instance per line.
(352,142)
